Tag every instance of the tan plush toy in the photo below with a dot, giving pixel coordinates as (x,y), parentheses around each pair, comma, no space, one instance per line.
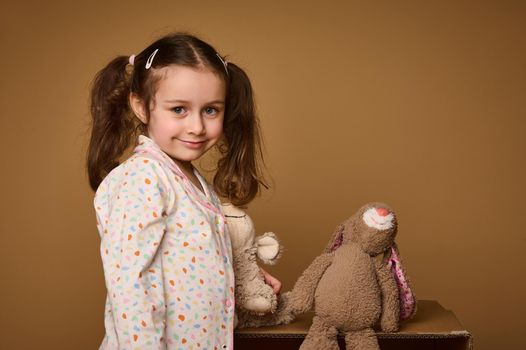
(253,296)
(356,285)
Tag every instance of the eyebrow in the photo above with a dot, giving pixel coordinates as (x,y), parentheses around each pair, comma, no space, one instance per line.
(184,101)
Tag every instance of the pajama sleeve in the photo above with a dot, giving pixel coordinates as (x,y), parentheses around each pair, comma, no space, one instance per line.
(132,231)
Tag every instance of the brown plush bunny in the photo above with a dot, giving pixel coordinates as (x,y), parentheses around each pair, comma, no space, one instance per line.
(355,285)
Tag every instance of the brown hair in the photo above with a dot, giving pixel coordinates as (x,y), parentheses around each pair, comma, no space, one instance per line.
(239,175)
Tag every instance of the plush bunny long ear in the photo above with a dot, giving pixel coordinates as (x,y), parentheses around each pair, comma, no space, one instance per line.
(407,298)
(336,240)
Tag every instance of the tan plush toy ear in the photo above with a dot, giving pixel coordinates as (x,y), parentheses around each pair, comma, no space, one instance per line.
(407,298)
(336,240)
(268,248)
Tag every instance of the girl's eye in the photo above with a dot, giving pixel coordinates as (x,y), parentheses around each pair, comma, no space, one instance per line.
(178,110)
(210,111)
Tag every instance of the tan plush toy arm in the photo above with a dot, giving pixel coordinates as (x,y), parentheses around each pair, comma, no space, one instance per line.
(301,297)
(389,320)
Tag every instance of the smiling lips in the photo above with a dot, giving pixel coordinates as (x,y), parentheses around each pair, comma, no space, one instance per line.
(193,144)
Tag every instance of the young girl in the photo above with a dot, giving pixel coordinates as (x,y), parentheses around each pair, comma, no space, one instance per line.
(164,243)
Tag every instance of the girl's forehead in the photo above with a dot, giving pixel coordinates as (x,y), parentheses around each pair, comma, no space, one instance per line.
(182,82)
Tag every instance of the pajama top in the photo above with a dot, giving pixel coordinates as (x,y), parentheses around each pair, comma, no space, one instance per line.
(166,255)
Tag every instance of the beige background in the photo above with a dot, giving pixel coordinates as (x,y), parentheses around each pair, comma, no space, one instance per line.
(416,103)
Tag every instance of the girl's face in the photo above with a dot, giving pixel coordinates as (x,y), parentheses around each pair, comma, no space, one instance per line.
(186,114)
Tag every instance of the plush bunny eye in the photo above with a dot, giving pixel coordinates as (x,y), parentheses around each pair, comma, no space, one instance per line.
(378,218)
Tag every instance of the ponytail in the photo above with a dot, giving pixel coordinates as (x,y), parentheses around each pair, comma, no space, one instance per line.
(112,123)
(238,176)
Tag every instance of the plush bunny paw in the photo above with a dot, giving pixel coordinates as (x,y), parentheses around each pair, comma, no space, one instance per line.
(268,248)
(259,305)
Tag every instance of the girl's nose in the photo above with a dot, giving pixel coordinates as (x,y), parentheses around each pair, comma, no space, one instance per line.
(382,211)
(196,125)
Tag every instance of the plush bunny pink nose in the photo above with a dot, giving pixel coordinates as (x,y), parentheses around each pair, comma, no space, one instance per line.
(382,211)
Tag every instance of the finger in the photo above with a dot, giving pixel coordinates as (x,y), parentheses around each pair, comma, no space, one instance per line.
(271,281)
(275,284)
(277,287)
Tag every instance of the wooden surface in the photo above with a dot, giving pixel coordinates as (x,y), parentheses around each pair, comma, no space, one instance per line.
(433,327)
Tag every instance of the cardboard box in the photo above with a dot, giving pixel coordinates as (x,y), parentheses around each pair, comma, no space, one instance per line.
(433,327)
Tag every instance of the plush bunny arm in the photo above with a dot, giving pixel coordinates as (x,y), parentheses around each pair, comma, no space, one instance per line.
(301,297)
(297,301)
(389,320)
(268,248)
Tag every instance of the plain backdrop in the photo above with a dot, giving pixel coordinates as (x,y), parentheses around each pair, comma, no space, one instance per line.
(419,104)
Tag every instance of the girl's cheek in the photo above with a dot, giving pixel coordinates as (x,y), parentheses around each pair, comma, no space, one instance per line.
(218,132)
(217,127)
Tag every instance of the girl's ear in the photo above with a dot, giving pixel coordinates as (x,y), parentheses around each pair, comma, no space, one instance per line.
(138,108)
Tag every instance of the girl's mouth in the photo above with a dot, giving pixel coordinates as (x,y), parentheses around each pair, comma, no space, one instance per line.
(193,144)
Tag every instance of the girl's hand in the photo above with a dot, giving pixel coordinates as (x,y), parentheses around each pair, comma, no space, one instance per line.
(271,281)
